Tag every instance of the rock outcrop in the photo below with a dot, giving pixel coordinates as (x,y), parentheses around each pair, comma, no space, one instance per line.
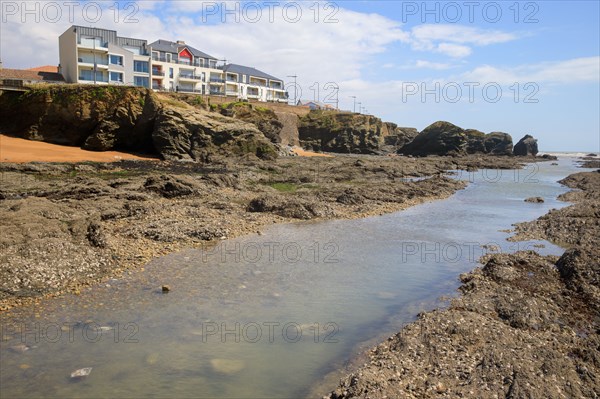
(498,143)
(445,138)
(134,119)
(526,146)
(347,132)
(263,118)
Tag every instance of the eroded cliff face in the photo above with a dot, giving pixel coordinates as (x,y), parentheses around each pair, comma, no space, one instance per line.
(128,119)
(347,132)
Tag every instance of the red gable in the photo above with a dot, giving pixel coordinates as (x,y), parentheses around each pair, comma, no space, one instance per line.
(185,54)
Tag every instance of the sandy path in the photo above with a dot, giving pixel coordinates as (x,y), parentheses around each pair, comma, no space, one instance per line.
(20,150)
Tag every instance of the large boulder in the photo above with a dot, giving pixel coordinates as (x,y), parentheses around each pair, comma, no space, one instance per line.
(186,134)
(498,143)
(526,146)
(445,138)
(439,138)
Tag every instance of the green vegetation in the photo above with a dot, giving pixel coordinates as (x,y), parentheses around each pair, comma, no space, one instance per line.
(284,187)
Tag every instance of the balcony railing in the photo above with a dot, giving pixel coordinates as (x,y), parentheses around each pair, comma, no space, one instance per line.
(216,92)
(159,58)
(231,93)
(158,73)
(189,90)
(91,79)
(189,76)
(96,61)
(158,87)
(216,80)
(254,83)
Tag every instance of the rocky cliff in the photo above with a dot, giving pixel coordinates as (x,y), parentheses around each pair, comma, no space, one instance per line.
(347,132)
(445,138)
(128,119)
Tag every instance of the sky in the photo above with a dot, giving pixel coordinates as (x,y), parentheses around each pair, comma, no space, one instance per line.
(521,67)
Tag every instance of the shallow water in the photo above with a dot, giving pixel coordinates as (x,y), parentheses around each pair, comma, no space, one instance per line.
(268,316)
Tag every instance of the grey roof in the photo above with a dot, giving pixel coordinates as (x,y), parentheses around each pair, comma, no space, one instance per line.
(244,70)
(174,47)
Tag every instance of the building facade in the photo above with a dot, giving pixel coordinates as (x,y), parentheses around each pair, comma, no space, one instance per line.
(100,56)
(249,83)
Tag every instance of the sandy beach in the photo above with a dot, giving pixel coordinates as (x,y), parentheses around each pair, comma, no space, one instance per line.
(18,150)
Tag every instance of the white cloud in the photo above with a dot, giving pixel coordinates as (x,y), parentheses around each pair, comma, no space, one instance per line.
(453,50)
(432,65)
(454,40)
(586,69)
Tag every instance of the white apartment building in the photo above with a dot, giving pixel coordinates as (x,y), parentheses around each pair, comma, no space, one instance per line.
(250,83)
(99,56)
(177,66)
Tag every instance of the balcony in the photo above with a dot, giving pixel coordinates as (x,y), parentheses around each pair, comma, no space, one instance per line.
(156,72)
(189,90)
(216,92)
(189,76)
(100,47)
(93,63)
(159,58)
(158,87)
(231,93)
(256,83)
(216,80)
(90,79)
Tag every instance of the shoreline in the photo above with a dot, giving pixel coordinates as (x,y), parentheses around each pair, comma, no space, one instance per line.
(523,324)
(70,226)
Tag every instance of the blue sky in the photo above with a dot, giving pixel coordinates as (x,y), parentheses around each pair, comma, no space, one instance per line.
(545,60)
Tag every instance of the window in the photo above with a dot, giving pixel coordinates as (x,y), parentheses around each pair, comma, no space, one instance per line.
(140,66)
(168,57)
(88,75)
(142,81)
(116,77)
(116,59)
(171,73)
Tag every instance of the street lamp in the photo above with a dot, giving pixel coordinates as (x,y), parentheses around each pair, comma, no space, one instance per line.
(359,107)
(354,104)
(295,88)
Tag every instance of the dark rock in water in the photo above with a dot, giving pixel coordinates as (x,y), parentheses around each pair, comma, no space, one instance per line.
(498,143)
(591,154)
(166,288)
(550,157)
(439,138)
(526,146)
(536,200)
(554,164)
